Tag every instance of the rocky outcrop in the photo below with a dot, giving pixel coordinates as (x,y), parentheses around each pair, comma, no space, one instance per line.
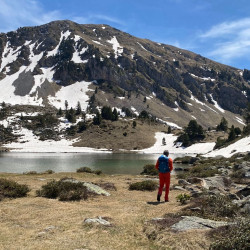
(193,222)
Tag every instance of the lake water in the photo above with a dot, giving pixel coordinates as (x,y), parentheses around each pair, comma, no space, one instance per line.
(69,162)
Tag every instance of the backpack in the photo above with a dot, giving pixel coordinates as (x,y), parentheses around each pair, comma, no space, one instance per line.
(163,164)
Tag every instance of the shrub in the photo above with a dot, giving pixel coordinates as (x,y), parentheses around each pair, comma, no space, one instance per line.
(215,207)
(149,170)
(84,170)
(183,198)
(30,173)
(143,186)
(64,190)
(12,189)
(232,237)
(88,170)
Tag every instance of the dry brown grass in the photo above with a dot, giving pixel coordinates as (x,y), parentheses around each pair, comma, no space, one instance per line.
(110,135)
(40,223)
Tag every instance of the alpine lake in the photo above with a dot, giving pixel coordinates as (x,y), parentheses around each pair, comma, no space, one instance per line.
(108,163)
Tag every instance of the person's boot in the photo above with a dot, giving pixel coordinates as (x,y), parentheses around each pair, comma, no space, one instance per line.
(158,197)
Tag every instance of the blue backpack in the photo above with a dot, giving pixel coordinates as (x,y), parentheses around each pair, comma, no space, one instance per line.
(163,164)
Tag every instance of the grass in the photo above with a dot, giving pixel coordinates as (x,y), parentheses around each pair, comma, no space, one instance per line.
(32,215)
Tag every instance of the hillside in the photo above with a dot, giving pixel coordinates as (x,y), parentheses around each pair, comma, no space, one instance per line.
(49,64)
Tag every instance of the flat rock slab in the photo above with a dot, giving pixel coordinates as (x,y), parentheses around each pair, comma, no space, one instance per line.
(95,189)
(98,220)
(193,222)
(90,187)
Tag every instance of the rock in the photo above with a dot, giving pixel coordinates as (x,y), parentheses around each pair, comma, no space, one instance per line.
(195,209)
(193,222)
(244,192)
(179,188)
(98,220)
(214,183)
(183,182)
(194,180)
(90,187)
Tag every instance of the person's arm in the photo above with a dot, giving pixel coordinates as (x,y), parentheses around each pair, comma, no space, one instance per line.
(170,162)
(157,165)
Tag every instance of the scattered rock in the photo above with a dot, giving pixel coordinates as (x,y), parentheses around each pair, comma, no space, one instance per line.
(193,222)
(183,182)
(98,220)
(194,180)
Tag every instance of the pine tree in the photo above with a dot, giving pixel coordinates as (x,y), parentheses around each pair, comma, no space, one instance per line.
(78,108)
(59,112)
(169,130)
(97,119)
(66,104)
(232,134)
(115,115)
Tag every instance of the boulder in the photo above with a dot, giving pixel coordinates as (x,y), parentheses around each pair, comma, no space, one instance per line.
(244,192)
(214,183)
(194,180)
(193,222)
(183,182)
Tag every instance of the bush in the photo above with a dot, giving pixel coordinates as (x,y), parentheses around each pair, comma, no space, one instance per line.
(149,170)
(183,198)
(12,189)
(215,207)
(88,170)
(64,190)
(232,237)
(143,186)
(84,170)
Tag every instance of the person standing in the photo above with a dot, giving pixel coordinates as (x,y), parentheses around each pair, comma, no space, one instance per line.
(164,165)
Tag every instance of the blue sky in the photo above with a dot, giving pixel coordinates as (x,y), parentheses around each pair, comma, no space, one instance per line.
(217,29)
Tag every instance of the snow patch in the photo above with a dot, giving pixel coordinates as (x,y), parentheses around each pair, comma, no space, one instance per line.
(239,120)
(216,105)
(9,55)
(242,145)
(116,46)
(72,94)
(55,50)
(142,47)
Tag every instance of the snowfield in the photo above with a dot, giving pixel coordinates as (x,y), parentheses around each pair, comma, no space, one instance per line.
(206,149)
(31,143)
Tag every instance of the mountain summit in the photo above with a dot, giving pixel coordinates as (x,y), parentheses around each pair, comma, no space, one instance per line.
(64,61)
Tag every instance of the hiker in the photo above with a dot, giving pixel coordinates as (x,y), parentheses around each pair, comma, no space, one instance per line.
(164,165)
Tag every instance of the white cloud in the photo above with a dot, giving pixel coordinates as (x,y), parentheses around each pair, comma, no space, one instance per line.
(17,13)
(230,40)
(93,18)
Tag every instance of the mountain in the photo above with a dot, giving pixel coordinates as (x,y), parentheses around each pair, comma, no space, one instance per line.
(62,60)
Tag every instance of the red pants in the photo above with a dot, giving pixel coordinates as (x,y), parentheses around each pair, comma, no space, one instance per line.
(164,179)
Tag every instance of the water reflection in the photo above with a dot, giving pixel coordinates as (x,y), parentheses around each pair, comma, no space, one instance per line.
(69,162)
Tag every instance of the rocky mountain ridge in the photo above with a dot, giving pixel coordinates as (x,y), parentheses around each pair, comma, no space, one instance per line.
(46,65)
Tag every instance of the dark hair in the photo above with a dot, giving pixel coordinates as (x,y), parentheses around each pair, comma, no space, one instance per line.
(166,152)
